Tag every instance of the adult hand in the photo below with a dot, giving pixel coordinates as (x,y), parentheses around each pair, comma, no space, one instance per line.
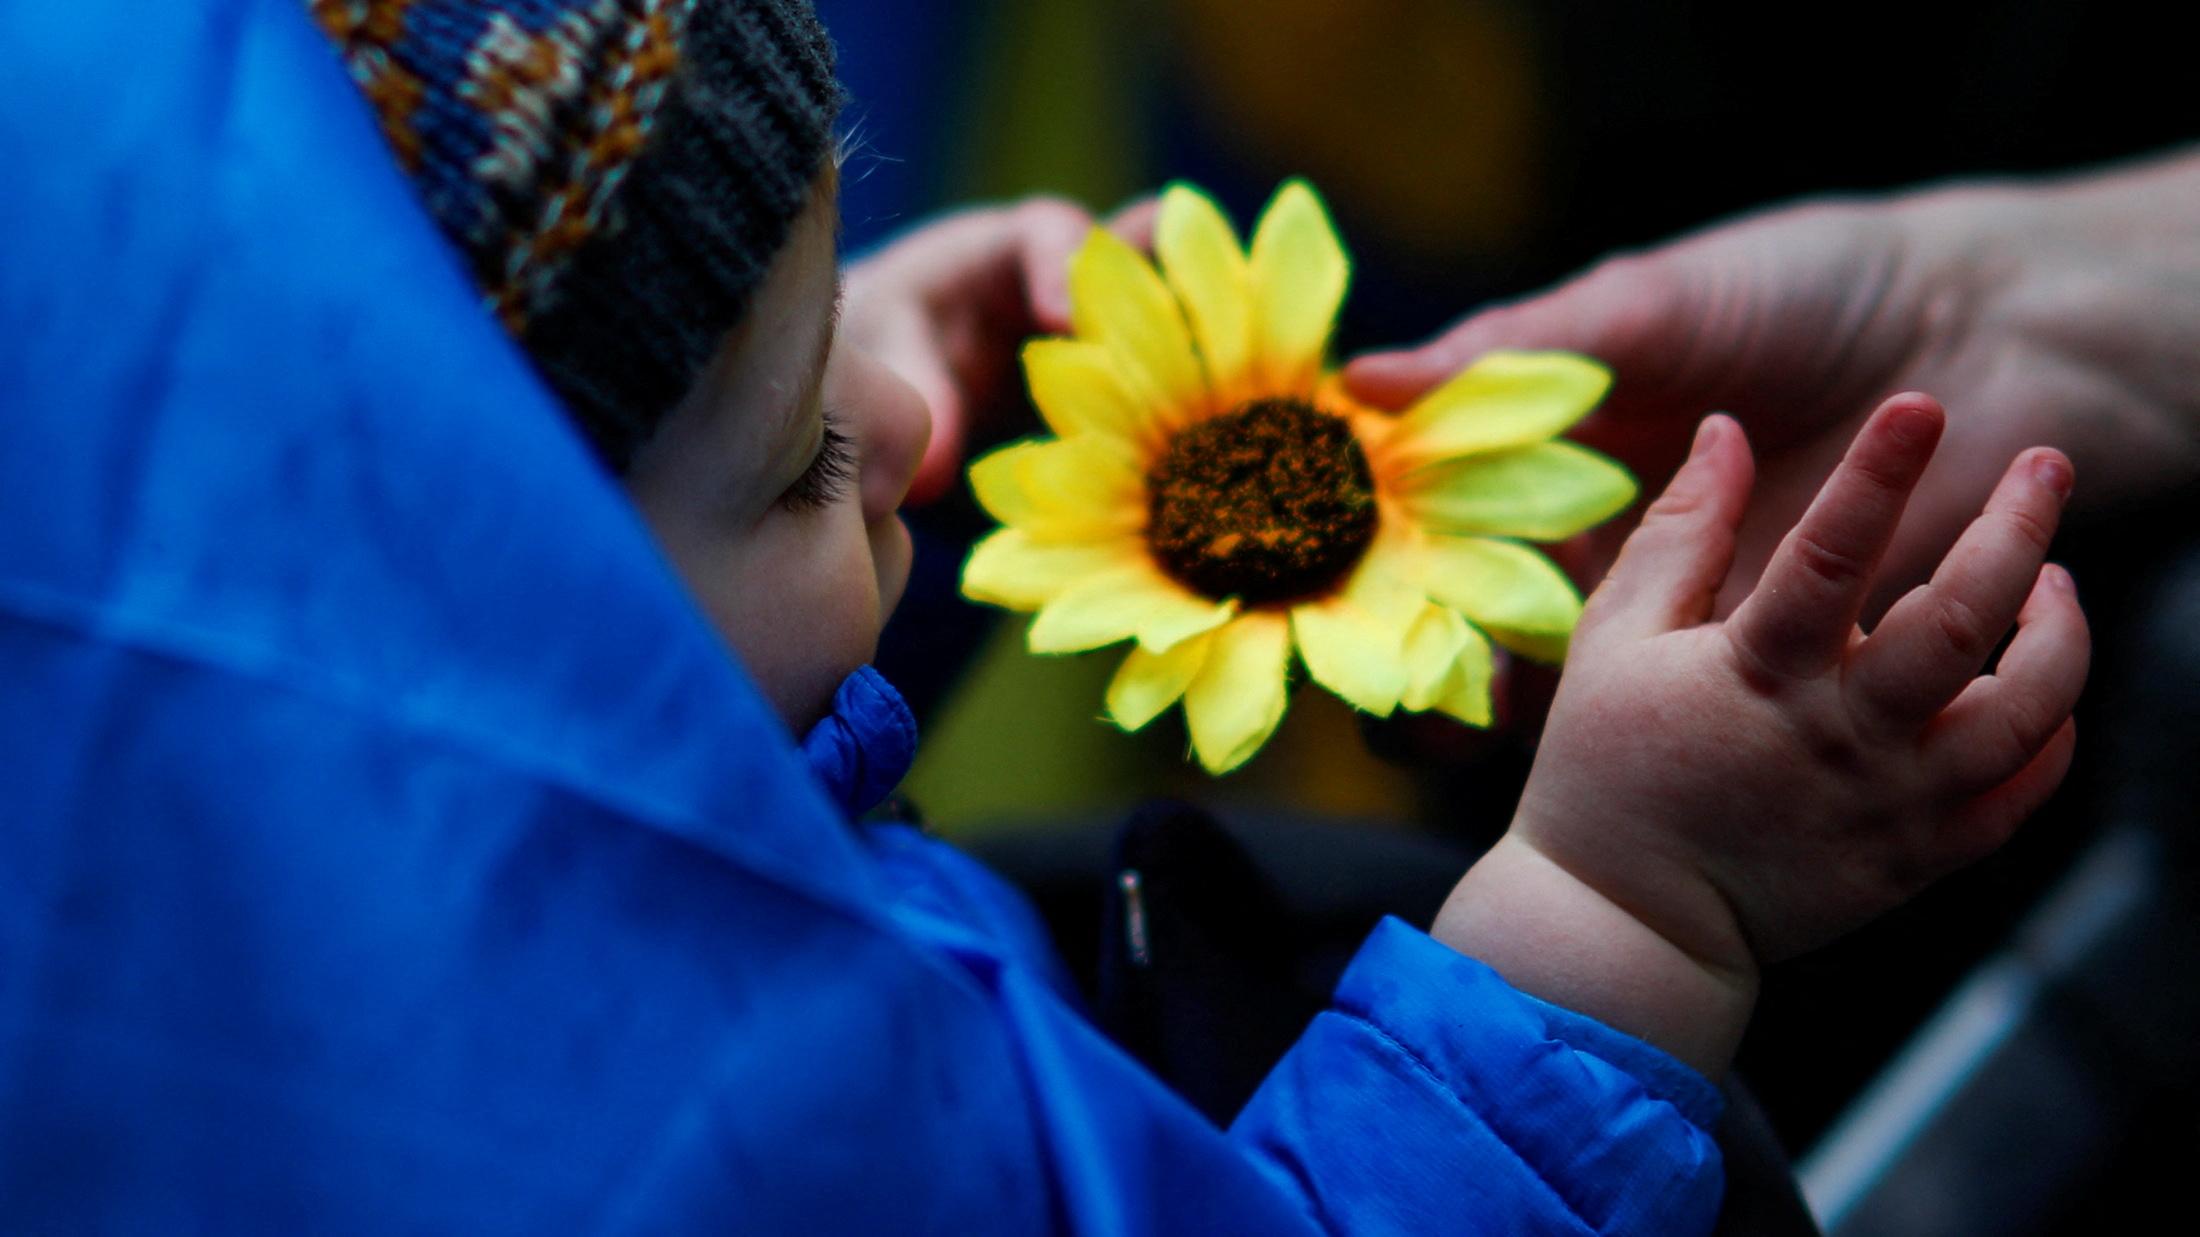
(2063,313)
(948,306)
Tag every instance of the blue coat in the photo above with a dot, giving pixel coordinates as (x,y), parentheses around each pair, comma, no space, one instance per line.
(386,843)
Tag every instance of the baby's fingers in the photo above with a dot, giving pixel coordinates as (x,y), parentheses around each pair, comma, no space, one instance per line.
(2001,723)
(1983,824)
(1053,232)
(1046,231)
(1669,570)
(1934,640)
(1798,619)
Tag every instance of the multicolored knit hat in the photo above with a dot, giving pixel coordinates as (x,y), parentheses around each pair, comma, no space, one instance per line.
(619,172)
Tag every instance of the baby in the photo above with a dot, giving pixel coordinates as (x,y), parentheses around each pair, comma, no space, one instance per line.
(1709,796)
(547,999)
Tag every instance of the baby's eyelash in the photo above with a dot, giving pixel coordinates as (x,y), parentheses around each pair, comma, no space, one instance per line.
(826,480)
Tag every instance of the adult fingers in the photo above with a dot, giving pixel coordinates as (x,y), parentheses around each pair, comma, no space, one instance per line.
(1934,641)
(1669,570)
(1631,313)
(1799,618)
(2000,723)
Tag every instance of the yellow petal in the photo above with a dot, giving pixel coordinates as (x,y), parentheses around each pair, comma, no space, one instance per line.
(1079,388)
(1506,399)
(1133,600)
(1236,700)
(1350,653)
(1063,489)
(1374,429)
(1118,301)
(1546,648)
(1386,585)
(1010,569)
(1146,684)
(1466,690)
(1546,492)
(1501,584)
(1299,272)
(1171,625)
(1202,260)
(1432,644)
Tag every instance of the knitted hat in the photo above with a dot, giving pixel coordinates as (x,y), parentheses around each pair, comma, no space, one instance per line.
(619,172)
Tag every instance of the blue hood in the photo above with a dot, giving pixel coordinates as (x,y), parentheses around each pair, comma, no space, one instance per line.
(387,843)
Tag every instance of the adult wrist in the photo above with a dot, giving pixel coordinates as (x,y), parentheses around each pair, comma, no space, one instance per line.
(2080,285)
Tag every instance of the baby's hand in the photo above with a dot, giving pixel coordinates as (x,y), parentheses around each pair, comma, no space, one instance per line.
(1749,789)
(948,306)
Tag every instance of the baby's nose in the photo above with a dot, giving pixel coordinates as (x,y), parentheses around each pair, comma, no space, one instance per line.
(896,426)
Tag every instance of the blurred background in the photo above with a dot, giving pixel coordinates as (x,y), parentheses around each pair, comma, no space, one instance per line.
(2015,1052)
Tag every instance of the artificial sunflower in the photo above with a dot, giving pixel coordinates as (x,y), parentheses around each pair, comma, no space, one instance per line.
(1212,495)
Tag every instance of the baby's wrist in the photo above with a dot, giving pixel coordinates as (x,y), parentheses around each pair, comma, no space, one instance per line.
(1555,936)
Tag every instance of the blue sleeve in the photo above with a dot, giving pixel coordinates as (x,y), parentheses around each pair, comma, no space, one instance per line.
(1431,1091)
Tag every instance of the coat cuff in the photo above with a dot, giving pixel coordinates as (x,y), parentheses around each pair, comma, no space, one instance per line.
(1432,1092)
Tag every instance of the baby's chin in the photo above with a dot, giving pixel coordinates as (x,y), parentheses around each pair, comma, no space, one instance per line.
(815,704)
(821,684)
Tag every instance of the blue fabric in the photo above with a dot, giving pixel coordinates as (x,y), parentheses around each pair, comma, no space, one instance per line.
(390,845)
(864,747)
(940,891)
(1555,1109)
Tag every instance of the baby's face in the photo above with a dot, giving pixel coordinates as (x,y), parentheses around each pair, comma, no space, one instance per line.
(773,486)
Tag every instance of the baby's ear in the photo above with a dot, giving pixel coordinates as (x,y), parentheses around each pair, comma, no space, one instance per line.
(1669,571)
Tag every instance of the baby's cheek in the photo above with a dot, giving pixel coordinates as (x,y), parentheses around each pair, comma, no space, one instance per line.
(797,599)
(891,555)
(833,616)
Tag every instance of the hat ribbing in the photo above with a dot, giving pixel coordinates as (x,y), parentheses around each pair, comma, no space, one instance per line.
(620,173)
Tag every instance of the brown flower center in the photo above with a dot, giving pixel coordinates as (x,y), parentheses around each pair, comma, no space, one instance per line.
(1270,503)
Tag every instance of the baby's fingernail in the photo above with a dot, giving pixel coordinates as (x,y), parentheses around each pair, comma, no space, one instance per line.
(1707,432)
(2053,472)
(1911,424)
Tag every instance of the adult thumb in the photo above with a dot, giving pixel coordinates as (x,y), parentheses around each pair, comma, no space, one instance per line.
(1626,312)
